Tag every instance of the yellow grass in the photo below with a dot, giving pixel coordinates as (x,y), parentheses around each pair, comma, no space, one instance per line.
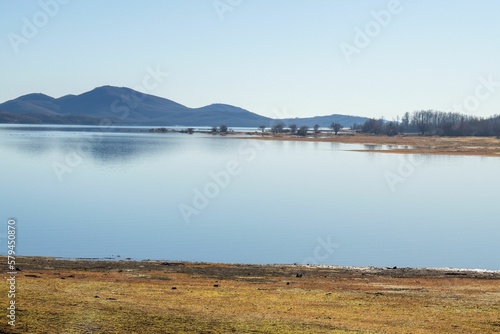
(127,298)
(481,146)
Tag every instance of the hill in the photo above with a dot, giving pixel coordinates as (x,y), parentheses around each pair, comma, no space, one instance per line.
(125,106)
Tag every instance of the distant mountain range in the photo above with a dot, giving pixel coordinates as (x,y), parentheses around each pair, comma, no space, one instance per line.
(124,106)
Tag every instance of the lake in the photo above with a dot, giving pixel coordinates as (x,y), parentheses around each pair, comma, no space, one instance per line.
(84,192)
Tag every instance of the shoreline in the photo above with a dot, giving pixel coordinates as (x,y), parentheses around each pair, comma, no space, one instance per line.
(137,262)
(413,144)
(399,144)
(127,296)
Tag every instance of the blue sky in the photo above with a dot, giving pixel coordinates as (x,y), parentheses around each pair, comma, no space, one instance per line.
(280,58)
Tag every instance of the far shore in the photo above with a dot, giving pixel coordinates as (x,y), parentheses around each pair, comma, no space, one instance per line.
(403,144)
(400,144)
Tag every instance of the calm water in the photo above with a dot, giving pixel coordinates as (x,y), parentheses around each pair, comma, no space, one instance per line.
(200,198)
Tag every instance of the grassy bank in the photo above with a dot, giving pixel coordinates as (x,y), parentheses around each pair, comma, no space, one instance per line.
(63,296)
(475,146)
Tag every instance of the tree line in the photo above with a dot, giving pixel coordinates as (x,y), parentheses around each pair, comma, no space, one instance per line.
(423,122)
(431,122)
(277,128)
(302,131)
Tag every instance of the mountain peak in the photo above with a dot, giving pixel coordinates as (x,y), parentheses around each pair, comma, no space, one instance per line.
(222,107)
(110,90)
(35,97)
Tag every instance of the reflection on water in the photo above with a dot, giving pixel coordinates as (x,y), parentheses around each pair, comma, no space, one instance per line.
(99,194)
(373,147)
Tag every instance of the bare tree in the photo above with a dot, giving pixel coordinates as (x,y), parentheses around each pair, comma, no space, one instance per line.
(405,121)
(375,126)
(336,127)
(262,128)
(293,128)
(423,120)
(316,128)
(278,128)
(223,128)
(392,128)
(303,131)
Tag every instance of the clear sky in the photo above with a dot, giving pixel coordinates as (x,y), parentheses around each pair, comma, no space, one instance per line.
(279,58)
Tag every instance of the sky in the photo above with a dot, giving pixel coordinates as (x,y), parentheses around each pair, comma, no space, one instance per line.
(280,58)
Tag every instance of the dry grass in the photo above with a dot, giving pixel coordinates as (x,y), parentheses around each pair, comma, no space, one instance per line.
(247,299)
(482,146)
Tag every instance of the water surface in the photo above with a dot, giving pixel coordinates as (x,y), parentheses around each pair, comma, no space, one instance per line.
(91,193)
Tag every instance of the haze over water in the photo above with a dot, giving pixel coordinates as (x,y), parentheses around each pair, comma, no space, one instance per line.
(103,194)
